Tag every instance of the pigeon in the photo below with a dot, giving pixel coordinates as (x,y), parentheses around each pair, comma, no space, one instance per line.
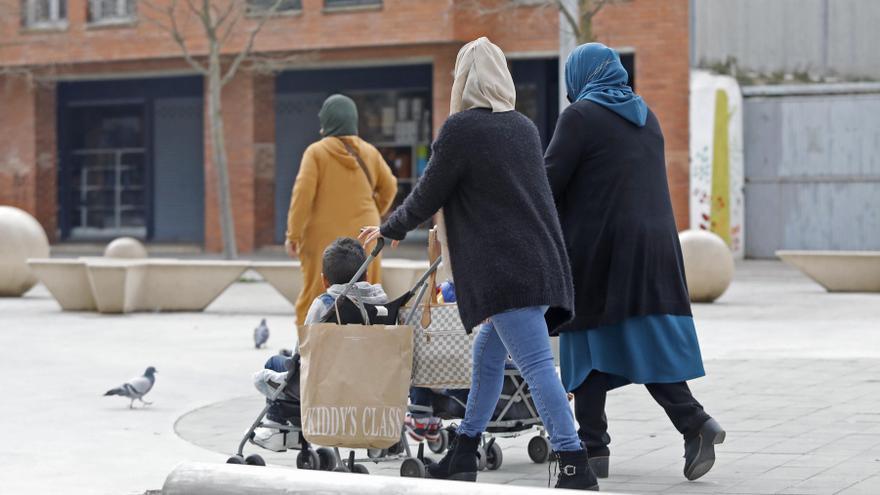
(261,334)
(136,388)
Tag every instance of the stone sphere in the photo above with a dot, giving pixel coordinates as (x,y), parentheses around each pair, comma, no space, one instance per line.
(708,264)
(125,247)
(21,237)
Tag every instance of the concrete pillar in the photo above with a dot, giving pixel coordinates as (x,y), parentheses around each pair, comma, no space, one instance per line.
(248,103)
(28,150)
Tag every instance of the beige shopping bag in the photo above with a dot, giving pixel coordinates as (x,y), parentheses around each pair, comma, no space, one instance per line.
(354,383)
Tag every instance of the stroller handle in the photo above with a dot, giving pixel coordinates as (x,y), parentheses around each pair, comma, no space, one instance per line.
(380,243)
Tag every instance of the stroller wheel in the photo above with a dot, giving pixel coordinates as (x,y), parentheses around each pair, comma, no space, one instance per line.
(539,450)
(327,459)
(360,469)
(255,460)
(482,458)
(441,444)
(412,468)
(308,459)
(236,459)
(494,457)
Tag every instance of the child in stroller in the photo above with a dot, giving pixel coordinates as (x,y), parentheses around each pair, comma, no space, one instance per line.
(341,261)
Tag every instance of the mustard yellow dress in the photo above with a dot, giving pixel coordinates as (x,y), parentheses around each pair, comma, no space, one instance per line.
(332,198)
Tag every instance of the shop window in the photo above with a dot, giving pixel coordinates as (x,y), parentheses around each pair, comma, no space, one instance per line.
(111,11)
(39,14)
(398,123)
(334,4)
(257,7)
(108,172)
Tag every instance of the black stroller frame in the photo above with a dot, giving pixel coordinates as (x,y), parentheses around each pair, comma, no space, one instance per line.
(330,459)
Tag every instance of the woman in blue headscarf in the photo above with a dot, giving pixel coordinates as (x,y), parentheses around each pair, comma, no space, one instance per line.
(633,320)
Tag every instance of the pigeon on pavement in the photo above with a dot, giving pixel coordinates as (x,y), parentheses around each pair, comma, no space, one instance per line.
(261,334)
(136,388)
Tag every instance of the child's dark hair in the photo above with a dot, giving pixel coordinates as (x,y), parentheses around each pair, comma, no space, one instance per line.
(342,259)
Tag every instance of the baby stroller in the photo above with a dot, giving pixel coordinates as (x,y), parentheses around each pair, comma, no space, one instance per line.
(514,415)
(287,393)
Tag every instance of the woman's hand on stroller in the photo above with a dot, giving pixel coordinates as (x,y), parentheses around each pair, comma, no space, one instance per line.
(371,233)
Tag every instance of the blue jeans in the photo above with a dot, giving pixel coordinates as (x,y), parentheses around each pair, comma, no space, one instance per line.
(523,334)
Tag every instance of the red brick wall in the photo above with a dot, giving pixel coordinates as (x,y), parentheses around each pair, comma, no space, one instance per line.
(248,107)
(404,30)
(28,150)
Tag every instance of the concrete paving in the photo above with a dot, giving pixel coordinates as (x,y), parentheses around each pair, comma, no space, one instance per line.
(793,375)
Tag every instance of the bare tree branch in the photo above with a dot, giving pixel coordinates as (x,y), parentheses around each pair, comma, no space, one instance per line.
(249,45)
(569,17)
(229,30)
(596,8)
(223,16)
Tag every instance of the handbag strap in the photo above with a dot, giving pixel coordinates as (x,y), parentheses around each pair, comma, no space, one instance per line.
(433,254)
(353,152)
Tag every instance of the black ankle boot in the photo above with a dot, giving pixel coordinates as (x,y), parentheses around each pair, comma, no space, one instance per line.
(459,463)
(599,459)
(575,472)
(699,449)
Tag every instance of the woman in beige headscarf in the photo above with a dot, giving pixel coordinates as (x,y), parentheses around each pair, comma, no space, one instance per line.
(506,251)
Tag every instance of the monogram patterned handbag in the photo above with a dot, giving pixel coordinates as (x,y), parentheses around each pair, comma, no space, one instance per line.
(442,349)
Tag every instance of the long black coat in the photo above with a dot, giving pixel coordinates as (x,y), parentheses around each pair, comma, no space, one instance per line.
(505,244)
(608,178)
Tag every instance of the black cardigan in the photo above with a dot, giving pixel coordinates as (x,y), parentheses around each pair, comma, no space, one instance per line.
(608,178)
(505,243)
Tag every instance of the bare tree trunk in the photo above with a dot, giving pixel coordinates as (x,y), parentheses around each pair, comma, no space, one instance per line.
(227,227)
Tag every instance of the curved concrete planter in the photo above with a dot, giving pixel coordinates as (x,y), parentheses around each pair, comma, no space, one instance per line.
(195,478)
(838,271)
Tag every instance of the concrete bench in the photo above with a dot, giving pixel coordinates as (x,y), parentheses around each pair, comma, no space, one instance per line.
(194,478)
(399,275)
(116,285)
(67,280)
(284,276)
(838,271)
(126,285)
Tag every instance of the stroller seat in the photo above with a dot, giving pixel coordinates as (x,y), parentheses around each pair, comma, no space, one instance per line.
(514,412)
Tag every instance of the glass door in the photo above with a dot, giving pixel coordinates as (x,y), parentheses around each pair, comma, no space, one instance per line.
(108,180)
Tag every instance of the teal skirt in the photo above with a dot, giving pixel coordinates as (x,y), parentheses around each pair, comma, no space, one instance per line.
(645,349)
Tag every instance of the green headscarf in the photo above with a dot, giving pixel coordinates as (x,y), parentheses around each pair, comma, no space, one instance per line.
(338,116)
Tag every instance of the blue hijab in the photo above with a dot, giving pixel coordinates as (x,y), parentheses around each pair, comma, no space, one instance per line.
(594,72)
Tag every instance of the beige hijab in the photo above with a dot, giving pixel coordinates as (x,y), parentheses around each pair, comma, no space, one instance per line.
(482,80)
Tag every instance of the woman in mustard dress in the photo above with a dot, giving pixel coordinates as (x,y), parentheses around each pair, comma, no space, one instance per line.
(343,184)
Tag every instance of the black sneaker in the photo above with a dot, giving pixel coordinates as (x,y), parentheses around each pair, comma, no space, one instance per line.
(699,449)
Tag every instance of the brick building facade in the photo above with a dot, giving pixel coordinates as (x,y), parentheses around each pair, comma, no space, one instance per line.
(102,125)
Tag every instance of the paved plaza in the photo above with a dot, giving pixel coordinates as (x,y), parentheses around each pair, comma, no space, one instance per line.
(793,376)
